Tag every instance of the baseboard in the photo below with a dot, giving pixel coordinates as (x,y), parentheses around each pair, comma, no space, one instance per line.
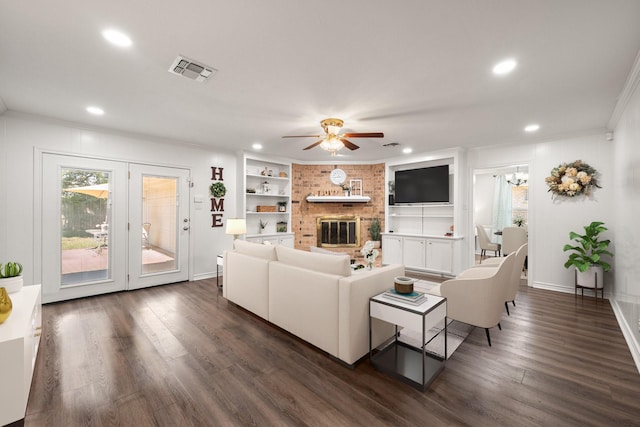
(553,287)
(627,332)
(564,289)
(203,276)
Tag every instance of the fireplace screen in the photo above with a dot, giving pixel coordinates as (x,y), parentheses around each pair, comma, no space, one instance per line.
(338,231)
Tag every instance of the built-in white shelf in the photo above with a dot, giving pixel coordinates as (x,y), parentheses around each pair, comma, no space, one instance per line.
(338,199)
(279,196)
(267,213)
(275,178)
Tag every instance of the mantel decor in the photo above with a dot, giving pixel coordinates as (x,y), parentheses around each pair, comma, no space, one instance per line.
(572,179)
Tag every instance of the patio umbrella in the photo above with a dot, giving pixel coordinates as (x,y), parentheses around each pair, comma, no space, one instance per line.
(101,191)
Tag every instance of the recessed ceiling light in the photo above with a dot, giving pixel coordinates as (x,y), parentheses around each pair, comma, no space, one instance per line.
(407,150)
(257,146)
(504,67)
(531,128)
(97,111)
(117,37)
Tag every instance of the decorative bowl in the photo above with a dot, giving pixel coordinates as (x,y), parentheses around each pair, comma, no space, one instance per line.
(403,285)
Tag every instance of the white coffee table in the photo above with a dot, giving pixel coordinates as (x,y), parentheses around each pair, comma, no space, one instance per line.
(413,365)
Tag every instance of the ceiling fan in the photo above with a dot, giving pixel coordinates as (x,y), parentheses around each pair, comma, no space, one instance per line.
(333,140)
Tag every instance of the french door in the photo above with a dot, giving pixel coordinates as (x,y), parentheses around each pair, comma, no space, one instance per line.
(159,225)
(109,226)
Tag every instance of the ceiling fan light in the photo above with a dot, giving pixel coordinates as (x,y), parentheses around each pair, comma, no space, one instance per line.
(331,144)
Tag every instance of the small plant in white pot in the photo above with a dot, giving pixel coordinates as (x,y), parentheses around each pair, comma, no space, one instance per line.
(11,277)
(587,255)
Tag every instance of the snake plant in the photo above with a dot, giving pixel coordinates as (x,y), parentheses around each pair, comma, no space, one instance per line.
(10,269)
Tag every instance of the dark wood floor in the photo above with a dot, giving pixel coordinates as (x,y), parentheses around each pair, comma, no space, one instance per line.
(180,355)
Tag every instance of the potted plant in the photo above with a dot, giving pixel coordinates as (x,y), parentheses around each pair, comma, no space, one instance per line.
(518,221)
(11,277)
(346,189)
(586,257)
(374,231)
(262,226)
(218,189)
(282,206)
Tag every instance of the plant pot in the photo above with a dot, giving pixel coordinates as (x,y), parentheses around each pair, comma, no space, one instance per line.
(12,284)
(376,244)
(403,285)
(591,278)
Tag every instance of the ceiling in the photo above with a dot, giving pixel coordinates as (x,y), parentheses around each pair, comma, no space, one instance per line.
(419,71)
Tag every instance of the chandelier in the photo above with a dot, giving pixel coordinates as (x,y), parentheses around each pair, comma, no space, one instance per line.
(517,179)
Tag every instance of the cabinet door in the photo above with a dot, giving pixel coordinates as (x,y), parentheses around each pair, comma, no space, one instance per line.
(391,250)
(286,241)
(439,255)
(414,252)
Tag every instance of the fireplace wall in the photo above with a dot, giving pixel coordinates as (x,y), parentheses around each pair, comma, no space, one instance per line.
(314,179)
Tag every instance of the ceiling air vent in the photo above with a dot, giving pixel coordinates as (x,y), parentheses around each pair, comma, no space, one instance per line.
(192,70)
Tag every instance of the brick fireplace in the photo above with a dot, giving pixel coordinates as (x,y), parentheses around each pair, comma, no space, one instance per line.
(314,180)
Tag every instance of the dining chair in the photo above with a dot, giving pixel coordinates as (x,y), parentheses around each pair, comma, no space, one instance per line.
(485,243)
(512,239)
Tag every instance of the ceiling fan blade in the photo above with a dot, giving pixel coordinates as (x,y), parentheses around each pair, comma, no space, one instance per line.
(364,135)
(302,136)
(350,145)
(313,145)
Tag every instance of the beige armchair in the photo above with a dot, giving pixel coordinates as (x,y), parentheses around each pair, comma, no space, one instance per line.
(514,280)
(485,243)
(476,296)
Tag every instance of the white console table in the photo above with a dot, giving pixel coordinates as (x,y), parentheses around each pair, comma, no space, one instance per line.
(19,341)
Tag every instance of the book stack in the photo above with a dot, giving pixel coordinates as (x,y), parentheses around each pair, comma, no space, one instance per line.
(414,298)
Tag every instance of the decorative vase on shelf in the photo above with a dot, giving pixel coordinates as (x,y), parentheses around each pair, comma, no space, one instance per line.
(5,305)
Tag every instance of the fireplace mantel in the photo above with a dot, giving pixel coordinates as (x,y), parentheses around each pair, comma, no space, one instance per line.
(338,199)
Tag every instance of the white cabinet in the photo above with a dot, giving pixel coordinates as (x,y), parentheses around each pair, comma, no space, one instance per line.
(423,253)
(267,195)
(285,239)
(391,249)
(439,255)
(414,253)
(19,342)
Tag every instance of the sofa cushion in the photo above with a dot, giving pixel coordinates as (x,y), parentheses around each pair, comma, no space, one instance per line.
(323,263)
(324,251)
(255,249)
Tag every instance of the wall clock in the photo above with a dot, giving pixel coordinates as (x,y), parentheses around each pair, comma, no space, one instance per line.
(338,176)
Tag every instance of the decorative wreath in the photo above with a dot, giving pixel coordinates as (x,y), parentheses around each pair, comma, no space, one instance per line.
(572,179)
(218,189)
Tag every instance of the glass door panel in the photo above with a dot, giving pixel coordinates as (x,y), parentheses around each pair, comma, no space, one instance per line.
(159,247)
(84,218)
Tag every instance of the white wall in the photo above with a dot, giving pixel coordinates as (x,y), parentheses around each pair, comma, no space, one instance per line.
(483,199)
(550,221)
(21,135)
(626,236)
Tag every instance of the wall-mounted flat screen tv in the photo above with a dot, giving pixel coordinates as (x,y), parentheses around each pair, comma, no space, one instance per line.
(424,185)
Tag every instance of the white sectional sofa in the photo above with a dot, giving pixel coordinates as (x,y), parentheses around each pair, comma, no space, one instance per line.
(314,296)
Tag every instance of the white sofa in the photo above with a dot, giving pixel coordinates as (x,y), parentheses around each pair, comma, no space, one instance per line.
(314,296)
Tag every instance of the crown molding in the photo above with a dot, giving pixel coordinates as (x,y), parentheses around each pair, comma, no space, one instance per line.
(627,92)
